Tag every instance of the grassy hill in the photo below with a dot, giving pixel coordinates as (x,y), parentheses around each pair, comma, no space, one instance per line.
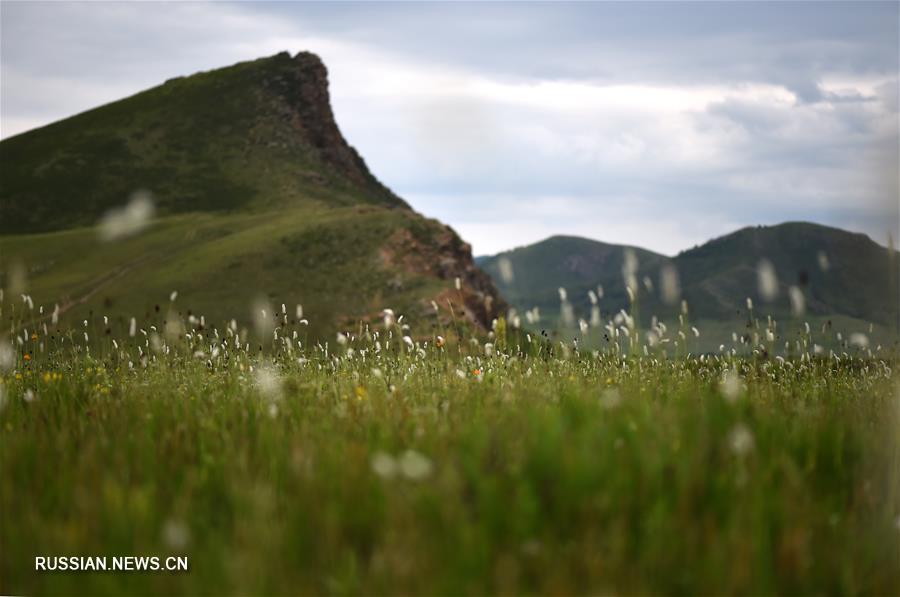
(842,276)
(258,198)
(839,272)
(576,264)
(255,135)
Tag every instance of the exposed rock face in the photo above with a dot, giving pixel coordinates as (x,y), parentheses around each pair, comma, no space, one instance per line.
(437,251)
(303,88)
(440,253)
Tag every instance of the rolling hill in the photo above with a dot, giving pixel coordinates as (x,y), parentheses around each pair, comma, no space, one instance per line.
(256,198)
(576,264)
(841,276)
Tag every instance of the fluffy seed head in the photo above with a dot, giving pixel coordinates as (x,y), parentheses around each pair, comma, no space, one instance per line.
(798,301)
(127,221)
(670,288)
(505,268)
(767,281)
(741,440)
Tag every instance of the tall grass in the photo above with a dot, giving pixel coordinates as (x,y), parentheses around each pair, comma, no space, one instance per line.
(388,461)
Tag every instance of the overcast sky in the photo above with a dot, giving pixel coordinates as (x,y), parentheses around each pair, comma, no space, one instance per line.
(659,125)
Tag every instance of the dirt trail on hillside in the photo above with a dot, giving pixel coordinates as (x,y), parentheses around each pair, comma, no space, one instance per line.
(104,280)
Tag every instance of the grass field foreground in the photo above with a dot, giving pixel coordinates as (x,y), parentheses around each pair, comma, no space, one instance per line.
(379,463)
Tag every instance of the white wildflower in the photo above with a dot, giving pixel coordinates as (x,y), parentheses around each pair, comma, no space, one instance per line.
(798,302)
(384,465)
(859,340)
(126,221)
(767,281)
(741,440)
(414,466)
(505,268)
(670,287)
(263,324)
(610,398)
(174,329)
(268,382)
(176,535)
(567,312)
(7,355)
(731,386)
(629,270)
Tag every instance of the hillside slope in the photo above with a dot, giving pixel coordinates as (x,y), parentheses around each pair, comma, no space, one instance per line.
(258,198)
(839,272)
(576,264)
(254,135)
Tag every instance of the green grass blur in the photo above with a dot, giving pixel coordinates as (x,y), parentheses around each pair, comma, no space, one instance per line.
(546,471)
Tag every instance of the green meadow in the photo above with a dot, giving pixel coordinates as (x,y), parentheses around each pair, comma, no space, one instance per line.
(398,460)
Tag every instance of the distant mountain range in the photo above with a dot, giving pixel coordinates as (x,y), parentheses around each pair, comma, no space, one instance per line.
(829,272)
(256,197)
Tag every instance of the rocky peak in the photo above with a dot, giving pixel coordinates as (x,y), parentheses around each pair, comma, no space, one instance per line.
(301,83)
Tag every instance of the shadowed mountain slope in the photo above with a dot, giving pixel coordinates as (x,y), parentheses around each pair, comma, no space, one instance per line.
(570,262)
(838,273)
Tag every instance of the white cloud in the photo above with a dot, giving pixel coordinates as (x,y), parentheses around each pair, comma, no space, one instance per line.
(517,130)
